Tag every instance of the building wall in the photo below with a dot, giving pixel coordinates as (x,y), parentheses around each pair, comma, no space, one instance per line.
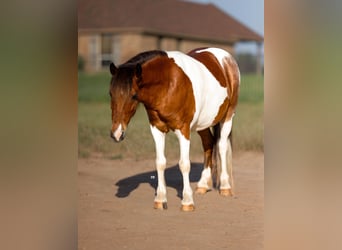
(83,48)
(127,45)
(147,43)
(89,47)
(169,44)
(188,45)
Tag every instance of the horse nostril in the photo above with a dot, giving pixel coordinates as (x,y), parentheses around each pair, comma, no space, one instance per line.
(116,137)
(122,135)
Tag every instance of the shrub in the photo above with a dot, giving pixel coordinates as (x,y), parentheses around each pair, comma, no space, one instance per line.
(80,61)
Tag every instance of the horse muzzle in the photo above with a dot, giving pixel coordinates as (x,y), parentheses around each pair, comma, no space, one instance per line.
(118,135)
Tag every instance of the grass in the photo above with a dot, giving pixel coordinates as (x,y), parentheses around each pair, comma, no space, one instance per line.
(93,87)
(94,122)
(252,89)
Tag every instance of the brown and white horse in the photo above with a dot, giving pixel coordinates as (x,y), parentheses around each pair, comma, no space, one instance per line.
(180,92)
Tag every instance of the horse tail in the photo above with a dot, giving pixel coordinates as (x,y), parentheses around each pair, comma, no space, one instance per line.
(216,157)
(217,166)
(230,159)
(233,77)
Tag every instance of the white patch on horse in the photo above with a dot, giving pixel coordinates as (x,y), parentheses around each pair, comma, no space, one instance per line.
(159,139)
(184,165)
(220,54)
(205,178)
(209,94)
(224,147)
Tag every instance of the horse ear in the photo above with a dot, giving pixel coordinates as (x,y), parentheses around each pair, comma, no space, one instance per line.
(112,68)
(138,71)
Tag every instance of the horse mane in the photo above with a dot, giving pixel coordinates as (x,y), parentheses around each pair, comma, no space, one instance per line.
(145,56)
(127,69)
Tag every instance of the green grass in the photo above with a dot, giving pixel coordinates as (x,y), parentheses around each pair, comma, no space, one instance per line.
(94,122)
(248,127)
(251,89)
(93,87)
(248,123)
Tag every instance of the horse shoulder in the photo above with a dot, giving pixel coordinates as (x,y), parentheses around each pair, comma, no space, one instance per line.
(167,95)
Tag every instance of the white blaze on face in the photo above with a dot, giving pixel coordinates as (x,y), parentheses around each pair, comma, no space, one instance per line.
(117,133)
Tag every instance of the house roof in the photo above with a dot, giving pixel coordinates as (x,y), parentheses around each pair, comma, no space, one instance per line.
(163,17)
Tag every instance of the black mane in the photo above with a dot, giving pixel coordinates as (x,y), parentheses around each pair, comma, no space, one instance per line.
(145,56)
(126,70)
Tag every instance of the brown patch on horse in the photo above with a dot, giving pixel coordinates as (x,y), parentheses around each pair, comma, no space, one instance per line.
(166,91)
(207,143)
(222,111)
(228,77)
(212,64)
(227,109)
(232,71)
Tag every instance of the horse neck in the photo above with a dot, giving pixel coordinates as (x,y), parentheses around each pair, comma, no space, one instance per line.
(154,85)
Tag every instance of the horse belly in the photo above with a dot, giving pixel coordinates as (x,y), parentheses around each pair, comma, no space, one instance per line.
(208,111)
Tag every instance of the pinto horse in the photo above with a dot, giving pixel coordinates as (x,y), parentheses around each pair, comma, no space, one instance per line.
(181,92)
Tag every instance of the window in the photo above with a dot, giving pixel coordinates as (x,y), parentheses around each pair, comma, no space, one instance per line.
(106,50)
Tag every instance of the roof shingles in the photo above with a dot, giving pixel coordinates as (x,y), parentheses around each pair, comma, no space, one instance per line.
(172,17)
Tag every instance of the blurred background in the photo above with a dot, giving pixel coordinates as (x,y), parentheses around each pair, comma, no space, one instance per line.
(116,30)
(41,111)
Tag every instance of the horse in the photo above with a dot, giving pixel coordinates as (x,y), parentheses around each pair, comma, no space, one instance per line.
(182,93)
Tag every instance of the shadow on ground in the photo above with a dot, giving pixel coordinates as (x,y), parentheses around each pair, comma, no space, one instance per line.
(173,178)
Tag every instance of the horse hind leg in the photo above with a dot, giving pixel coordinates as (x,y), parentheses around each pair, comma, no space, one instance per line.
(225,155)
(205,183)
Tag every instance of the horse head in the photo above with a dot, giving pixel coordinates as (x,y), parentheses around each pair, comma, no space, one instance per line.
(123,93)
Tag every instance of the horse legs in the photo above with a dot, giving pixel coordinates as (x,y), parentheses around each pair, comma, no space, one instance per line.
(205,182)
(184,165)
(225,151)
(160,201)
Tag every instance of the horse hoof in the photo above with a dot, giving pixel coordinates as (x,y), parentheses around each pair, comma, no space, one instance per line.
(160,205)
(188,208)
(201,190)
(226,192)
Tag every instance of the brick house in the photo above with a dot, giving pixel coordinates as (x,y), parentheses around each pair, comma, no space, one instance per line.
(116,30)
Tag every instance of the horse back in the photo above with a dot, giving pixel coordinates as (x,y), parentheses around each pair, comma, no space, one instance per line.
(222,66)
(215,81)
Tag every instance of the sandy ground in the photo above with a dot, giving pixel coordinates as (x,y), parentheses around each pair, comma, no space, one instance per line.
(115,207)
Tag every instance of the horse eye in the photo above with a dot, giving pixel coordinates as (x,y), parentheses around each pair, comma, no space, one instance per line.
(110,94)
(135,96)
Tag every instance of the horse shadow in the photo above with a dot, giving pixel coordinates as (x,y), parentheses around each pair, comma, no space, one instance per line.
(173,178)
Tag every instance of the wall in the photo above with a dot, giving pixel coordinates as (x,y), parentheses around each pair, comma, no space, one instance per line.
(126,45)
(188,45)
(89,47)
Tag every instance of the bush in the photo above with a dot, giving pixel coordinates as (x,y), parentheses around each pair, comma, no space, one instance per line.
(80,61)
(247,63)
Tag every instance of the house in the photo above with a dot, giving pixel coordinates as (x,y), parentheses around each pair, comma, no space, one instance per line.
(116,30)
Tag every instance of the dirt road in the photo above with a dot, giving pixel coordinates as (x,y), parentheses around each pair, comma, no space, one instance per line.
(115,207)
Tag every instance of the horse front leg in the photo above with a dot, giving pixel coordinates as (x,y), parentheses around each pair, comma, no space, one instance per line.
(184,165)
(160,201)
